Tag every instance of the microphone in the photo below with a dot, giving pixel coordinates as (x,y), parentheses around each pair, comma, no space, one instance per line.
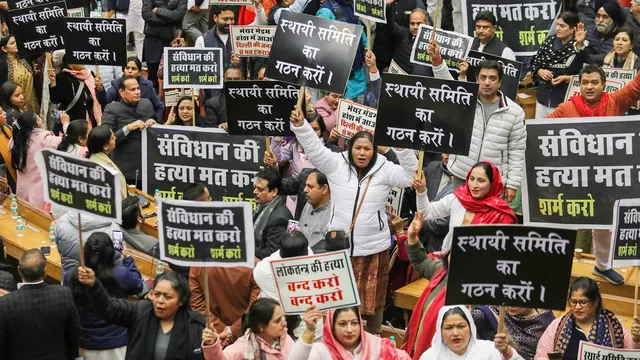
(136,184)
(389,324)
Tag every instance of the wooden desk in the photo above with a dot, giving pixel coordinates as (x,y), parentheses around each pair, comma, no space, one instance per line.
(149,226)
(528,104)
(17,245)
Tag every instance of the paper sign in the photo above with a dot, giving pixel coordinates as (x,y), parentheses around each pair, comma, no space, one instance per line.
(353,118)
(590,351)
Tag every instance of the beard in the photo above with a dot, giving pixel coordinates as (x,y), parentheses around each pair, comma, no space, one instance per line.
(604,28)
(223,29)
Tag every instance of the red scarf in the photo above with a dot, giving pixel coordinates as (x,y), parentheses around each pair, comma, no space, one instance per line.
(585,110)
(429,323)
(492,209)
(372,346)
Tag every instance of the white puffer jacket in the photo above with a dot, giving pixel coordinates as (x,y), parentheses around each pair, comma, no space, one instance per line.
(502,142)
(371,231)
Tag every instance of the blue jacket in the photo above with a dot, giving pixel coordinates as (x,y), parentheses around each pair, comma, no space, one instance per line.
(146,92)
(98,333)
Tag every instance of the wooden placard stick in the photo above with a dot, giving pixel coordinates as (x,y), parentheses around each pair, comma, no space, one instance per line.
(193,107)
(367,24)
(501,319)
(435,20)
(420,163)
(80,236)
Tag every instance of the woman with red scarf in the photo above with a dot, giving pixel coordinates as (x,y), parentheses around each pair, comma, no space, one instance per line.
(477,202)
(344,338)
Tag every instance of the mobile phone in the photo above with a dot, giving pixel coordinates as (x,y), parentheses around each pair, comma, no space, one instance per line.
(46,250)
(555,355)
(149,215)
(3,168)
(117,238)
(293,226)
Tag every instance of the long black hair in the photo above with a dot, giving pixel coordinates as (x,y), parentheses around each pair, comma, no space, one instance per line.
(6,92)
(362,135)
(76,129)
(22,129)
(98,137)
(324,134)
(259,315)
(136,61)
(99,256)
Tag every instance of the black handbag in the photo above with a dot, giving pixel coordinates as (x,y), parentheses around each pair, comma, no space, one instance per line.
(336,240)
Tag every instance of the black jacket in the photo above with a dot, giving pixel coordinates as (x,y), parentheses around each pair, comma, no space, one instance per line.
(275,227)
(39,322)
(64,92)
(166,19)
(385,45)
(128,152)
(215,109)
(295,186)
(7,281)
(143,324)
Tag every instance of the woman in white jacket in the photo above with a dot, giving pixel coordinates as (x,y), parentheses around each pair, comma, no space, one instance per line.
(476,202)
(456,339)
(359,177)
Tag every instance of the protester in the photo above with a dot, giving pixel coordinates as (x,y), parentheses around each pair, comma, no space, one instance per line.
(216,106)
(524,325)
(455,338)
(292,244)
(100,143)
(195,21)
(164,328)
(271,216)
(558,57)
(227,304)
(38,321)
(131,12)
(633,22)
(162,18)
(185,111)
(218,36)
(421,327)
(265,336)
(587,321)
(132,219)
(107,74)
(75,138)
(68,235)
(404,38)
(127,118)
(476,202)
(5,154)
(609,17)
(314,220)
(7,281)
(78,92)
(14,68)
(486,40)
(327,107)
(290,150)
(439,185)
(11,100)
(29,137)
(177,40)
(276,10)
(368,229)
(502,141)
(100,339)
(623,57)
(134,69)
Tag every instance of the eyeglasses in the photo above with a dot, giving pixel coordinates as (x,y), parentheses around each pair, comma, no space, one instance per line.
(583,303)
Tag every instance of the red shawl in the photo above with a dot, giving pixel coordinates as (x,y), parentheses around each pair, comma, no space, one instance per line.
(373,347)
(585,110)
(422,341)
(490,210)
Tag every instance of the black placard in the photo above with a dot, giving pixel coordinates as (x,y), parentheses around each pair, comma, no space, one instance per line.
(96,41)
(522,25)
(312,51)
(425,113)
(193,67)
(453,47)
(211,233)
(510,265)
(511,72)
(177,156)
(260,107)
(626,236)
(373,10)
(39,28)
(23,4)
(577,168)
(79,184)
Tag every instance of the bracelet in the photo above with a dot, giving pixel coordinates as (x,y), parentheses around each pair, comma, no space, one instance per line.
(308,339)
(373,72)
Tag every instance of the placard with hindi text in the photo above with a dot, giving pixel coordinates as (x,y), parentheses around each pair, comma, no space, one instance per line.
(38,28)
(94,41)
(510,265)
(206,233)
(453,47)
(193,67)
(625,237)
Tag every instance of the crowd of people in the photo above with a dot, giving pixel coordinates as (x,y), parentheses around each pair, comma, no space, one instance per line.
(335,188)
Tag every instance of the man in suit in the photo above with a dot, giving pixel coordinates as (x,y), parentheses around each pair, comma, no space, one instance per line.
(38,321)
(439,185)
(127,118)
(437,176)
(271,216)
